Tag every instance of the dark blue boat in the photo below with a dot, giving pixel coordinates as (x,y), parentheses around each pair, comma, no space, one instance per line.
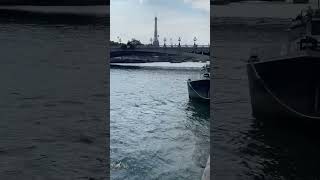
(288,86)
(200,89)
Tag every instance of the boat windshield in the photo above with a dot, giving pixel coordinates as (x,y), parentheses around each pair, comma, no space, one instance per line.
(315,27)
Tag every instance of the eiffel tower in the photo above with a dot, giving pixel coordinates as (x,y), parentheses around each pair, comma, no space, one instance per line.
(155,38)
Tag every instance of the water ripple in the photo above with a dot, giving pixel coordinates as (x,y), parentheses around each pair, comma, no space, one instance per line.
(153,126)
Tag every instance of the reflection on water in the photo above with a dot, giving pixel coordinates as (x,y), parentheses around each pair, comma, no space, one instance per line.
(156,132)
(287,150)
(199,109)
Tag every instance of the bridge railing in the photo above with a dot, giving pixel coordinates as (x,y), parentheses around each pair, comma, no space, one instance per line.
(168,46)
(186,46)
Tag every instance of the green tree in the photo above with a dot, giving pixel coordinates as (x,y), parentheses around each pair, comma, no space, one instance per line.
(133,43)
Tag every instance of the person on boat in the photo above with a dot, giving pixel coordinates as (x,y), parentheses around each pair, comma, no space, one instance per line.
(309,12)
(299,17)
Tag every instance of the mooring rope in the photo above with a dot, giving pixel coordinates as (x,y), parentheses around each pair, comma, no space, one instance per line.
(197,92)
(276,98)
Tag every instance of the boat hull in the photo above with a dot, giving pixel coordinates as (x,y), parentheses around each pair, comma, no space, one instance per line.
(285,88)
(199,90)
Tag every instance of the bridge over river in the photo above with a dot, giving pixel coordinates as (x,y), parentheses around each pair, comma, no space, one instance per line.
(184,53)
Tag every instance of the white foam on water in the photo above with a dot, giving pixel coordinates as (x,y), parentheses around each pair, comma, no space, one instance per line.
(164,64)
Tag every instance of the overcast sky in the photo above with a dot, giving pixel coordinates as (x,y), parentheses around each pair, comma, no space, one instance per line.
(135,19)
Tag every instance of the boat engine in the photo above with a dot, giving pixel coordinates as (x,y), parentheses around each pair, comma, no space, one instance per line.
(308,43)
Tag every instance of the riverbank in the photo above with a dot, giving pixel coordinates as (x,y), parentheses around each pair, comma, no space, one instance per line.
(155,59)
(206,172)
(56,2)
(259,9)
(93,10)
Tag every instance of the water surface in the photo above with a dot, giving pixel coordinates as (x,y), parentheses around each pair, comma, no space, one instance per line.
(156,132)
(53,96)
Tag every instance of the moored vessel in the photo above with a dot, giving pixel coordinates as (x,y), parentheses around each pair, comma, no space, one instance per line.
(287,86)
(199,89)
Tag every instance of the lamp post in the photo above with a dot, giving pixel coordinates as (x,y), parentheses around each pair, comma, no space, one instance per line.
(179,45)
(194,44)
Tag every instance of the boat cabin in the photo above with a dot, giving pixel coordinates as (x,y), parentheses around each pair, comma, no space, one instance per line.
(315,27)
(304,32)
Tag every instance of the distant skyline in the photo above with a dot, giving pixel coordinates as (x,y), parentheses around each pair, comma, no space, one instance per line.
(176,18)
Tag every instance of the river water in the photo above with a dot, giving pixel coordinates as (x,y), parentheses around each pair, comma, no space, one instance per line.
(156,132)
(53,95)
(243,147)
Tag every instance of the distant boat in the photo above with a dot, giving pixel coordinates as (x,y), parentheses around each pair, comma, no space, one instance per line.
(176,60)
(219,2)
(129,59)
(300,1)
(200,89)
(288,86)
